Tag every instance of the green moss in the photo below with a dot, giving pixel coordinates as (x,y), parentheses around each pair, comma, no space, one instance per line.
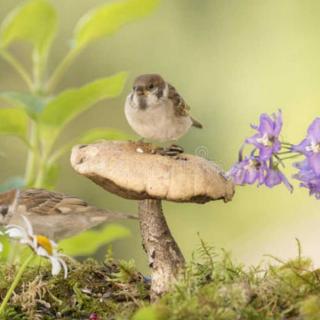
(212,287)
(109,289)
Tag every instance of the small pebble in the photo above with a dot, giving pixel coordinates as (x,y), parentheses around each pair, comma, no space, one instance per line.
(147,279)
(139,150)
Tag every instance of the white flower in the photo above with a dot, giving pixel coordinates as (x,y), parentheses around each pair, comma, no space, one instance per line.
(40,244)
(48,249)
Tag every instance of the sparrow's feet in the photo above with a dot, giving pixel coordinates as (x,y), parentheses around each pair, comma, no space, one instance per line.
(175,147)
(172,151)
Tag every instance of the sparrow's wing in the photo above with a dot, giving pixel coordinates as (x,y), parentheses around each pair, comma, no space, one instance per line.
(181,108)
(57,215)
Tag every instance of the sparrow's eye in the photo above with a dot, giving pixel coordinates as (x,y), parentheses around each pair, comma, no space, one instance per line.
(151,86)
(4,210)
(133,88)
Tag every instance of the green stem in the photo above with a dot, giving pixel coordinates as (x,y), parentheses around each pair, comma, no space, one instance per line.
(292,157)
(39,67)
(37,73)
(18,67)
(15,283)
(288,152)
(44,163)
(48,158)
(32,155)
(279,159)
(41,174)
(60,70)
(61,151)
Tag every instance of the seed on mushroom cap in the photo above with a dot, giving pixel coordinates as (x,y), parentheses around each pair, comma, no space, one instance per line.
(118,168)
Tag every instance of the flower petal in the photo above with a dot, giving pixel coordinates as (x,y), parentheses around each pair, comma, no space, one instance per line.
(314,161)
(28,225)
(53,244)
(287,183)
(277,123)
(251,176)
(302,146)
(40,251)
(16,232)
(65,268)
(266,124)
(265,153)
(56,266)
(275,177)
(314,130)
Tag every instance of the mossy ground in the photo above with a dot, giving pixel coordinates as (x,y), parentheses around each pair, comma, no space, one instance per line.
(212,287)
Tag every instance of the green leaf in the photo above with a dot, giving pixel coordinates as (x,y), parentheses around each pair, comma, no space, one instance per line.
(89,242)
(13,122)
(107,19)
(35,22)
(31,103)
(103,134)
(70,103)
(89,137)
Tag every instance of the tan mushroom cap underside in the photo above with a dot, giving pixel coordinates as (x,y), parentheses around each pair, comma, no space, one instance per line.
(118,167)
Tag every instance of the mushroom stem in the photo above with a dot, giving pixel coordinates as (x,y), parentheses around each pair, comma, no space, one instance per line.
(165,257)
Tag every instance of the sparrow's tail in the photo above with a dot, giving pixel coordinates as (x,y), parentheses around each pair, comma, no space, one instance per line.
(68,225)
(111,215)
(196,124)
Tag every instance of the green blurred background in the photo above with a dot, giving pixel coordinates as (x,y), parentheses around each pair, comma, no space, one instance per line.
(231,60)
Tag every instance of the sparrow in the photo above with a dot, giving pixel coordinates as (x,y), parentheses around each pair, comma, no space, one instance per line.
(52,214)
(156,111)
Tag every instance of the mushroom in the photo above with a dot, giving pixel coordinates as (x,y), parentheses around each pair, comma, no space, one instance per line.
(150,178)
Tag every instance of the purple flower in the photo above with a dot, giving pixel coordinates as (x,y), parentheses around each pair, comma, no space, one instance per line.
(308,177)
(262,163)
(310,146)
(251,170)
(274,177)
(248,171)
(267,138)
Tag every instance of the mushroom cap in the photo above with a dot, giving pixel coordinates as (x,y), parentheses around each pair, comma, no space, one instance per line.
(119,168)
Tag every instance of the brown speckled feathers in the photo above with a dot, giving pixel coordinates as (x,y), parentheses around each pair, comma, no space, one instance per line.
(181,108)
(53,214)
(44,202)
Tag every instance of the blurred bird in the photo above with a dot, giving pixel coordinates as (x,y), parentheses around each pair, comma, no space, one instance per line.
(155,110)
(52,214)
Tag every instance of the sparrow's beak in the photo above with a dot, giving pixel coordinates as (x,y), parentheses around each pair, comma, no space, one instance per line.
(140,91)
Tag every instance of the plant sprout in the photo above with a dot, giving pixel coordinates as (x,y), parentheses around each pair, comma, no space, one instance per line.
(39,115)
